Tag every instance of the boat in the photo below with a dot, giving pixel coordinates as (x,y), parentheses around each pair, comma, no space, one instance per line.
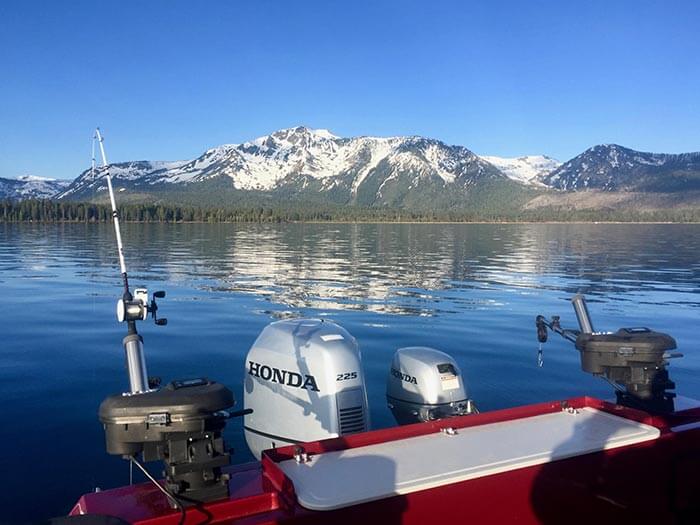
(632,459)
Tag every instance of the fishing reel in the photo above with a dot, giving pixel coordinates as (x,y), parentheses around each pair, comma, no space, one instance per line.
(137,307)
(132,308)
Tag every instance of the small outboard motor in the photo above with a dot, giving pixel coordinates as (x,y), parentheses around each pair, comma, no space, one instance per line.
(303,382)
(425,384)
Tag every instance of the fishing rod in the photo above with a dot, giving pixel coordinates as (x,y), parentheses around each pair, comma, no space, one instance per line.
(131,307)
(115,213)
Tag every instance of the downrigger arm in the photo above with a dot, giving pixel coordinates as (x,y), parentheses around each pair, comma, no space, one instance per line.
(633,360)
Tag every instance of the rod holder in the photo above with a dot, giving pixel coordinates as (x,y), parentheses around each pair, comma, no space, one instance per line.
(584,318)
(136,364)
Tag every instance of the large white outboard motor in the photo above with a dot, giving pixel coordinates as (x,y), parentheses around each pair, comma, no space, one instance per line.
(425,384)
(304,382)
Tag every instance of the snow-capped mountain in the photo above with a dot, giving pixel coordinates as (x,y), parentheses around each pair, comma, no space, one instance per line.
(31,187)
(305,163)
(610,167)
(308,165)
(122,172)
(528,169)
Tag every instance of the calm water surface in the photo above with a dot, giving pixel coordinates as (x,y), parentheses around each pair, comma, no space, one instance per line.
(470,290)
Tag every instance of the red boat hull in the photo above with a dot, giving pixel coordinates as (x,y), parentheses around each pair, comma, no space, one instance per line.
(656,480)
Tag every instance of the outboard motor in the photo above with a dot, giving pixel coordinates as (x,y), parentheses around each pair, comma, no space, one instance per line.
(425,384)
(303,382)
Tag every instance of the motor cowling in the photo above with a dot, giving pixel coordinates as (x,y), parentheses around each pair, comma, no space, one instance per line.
(425,384)
(303,382)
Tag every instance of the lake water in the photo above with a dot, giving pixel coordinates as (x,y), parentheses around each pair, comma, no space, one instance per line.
(470,290)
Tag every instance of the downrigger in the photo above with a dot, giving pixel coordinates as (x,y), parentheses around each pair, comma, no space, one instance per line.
(632,360)
(181,423)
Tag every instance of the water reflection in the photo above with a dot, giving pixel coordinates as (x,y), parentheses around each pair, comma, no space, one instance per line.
(423,269)
(408,269)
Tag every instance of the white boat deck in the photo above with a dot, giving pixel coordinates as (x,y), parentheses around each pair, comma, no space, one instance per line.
(348,477)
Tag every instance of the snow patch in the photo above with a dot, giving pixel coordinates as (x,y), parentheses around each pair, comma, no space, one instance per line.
(527,169)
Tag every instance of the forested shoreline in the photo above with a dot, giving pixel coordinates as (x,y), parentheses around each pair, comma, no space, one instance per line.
(51,211)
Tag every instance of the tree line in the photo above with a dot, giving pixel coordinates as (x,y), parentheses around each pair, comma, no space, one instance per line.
(46,210)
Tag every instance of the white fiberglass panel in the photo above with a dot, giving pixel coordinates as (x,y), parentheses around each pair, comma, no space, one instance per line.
(348,477)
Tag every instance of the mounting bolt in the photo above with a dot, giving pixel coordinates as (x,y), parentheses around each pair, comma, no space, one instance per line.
(300,455)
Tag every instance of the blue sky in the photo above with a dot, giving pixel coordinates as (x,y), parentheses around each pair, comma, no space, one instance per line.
(167,80)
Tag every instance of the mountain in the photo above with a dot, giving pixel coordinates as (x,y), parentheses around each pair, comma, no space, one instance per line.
(303,165)
(609,167)
(527,170)
(314,165)
(30,187)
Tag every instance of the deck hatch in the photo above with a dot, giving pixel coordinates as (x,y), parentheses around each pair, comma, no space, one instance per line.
(338,479)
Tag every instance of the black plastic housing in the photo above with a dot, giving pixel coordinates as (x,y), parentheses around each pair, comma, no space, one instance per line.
(633,357)
(180,424)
